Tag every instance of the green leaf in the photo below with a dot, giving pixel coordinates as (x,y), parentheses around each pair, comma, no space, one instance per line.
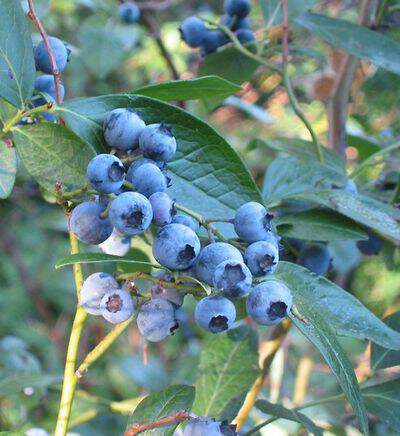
(16,383)
(320,333)
(287,176)
(289,414)
(99,258)
(161,404)
(8,169)
(228,368)
(382,357)
(383,400)
(319,225)
(190,89)
(366,147)
(381,217)
(52,153)
(230,64)
(17,67)
(359,41)
(206,172)
(305,151)
(345,314)
(272,10)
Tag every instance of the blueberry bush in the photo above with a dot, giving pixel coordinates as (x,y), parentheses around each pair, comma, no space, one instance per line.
(200,221)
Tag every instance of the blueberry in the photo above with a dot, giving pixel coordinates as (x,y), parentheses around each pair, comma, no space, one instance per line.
(45,83)
(129,12)
(211,256)
(215,314)
(252,222)
(237,8)
(138,162)
(202,426)
(213,40)
(157,142)
(261,257)
(316,258)
(93,290)
(232,278)
(245,35)
(176,246)
(234,23)
(117,306)
(147,179)
(88,225)
(372,246)
(161,290)
(116,244)
(131,213)
(186,220)
(351,187)
(163,208)
(192,31)
(122,128)
(42,58)
(156,320)
(269,302)
(105,173)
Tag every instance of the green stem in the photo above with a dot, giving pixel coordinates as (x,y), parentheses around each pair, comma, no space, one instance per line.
(22,114)
(129,185)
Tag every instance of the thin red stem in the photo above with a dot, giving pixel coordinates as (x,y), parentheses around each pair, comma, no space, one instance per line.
(169,420)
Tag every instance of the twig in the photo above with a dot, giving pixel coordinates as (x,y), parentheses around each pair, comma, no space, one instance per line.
(102,347)
(169,420)
(339,99)
(56,74)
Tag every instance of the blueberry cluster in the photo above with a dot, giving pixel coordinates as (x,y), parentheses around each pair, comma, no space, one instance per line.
(132,197)
(196,34)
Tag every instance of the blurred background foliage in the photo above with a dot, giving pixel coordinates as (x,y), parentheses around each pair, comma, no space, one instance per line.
(38,301)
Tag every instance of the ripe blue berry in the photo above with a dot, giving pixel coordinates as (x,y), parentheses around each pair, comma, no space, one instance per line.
(237,8)
(211,256)
(122,128)
(316,258)
(163,208)
(186,220)
(372,246)
(161,290)
(234,23)
(42,58)
(215,314)
(351,187)
(138,162)
(176,246)
(269,302)
(262,258)
(45,83)
(202,426)
(88,224)
(93,290)
(116,244)
(245,35)
(232,278)
(213,40)
(156,320)
(105,173)
(129,12)
(192,31)
(252,222)
(131,213)
(157,142)
(147,179)
(117,306)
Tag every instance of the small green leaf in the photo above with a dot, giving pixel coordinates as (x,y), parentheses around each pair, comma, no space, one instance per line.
(190,89)
(15,384)
(99,258)
(345,314)
(359,41)
(372,213)
(161,404)
(383,401)
(319,225)
(289,414)
(8,169)
(228,368)
(382,357)
(17,67)
(52,153)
